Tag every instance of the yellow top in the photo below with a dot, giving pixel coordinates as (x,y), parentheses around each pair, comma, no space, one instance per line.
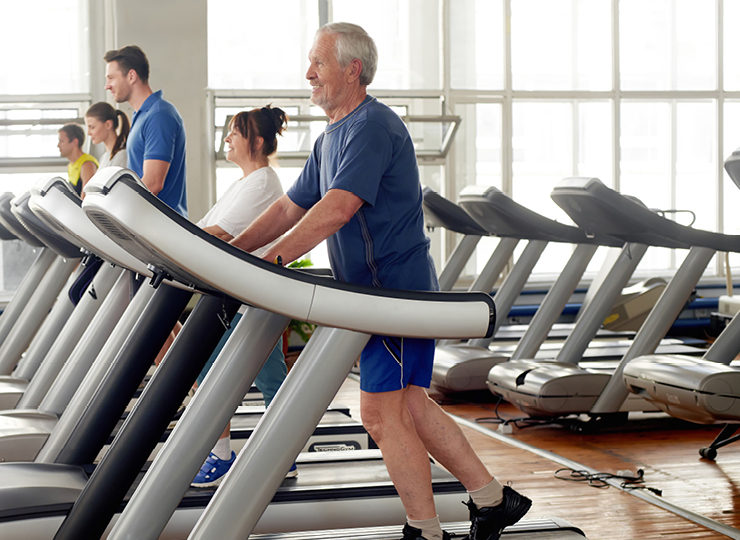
(73,171)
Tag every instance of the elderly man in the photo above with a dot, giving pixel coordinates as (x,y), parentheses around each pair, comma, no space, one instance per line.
(360,190)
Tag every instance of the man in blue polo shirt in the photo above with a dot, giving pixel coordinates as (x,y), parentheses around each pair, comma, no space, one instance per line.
(360,190)
(156,142)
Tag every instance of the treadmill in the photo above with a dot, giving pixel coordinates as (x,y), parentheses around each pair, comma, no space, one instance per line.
(26,313)
(552,389)
(307,297)
(703,391)
(35,374)
(155,233)
(24,431)
(466,366)
(439,212)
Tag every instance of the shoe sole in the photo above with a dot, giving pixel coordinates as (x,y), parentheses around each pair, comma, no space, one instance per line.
(207,484)
(292,474)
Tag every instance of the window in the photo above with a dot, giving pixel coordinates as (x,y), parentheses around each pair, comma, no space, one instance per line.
(477,44)
(667,45)
(42,91)
(257,45)
(560,44)
(545,89)
(61,27)
(408,41)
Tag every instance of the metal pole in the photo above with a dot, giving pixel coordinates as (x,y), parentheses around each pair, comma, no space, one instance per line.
(28,286)
(70,336)
(144,426)
(90,344)
(72,404)
(124,376)
(187,447)
(592,318)
(34,312)
(512,286)
(297,408)
(553,304)
(455,264)
(656,325)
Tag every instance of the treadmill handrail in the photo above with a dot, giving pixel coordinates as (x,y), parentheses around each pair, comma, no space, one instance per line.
(54,202)
(5,233)
(442,212)
(503,216)
(52,240)
(303,296)
(598,208)
(8,219)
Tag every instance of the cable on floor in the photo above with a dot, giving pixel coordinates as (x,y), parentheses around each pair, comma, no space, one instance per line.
(520,423)
(600,479)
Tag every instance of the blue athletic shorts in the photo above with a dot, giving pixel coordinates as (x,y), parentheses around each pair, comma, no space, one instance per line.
(392,363)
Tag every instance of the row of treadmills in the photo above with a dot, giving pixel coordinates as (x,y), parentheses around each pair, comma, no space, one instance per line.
(85,453)
(592,372)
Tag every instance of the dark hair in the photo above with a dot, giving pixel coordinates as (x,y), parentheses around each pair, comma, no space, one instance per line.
(73,131)
(266,122)
(104,111)
(128,58)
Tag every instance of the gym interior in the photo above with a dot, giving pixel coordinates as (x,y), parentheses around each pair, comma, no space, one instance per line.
(579,167)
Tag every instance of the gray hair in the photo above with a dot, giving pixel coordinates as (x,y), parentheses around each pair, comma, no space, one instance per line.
(353,42)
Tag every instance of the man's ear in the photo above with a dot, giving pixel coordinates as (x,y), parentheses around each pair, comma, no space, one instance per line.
(132,76)
(355,69)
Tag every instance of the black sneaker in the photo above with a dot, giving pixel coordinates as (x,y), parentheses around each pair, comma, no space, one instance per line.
(488,523)
(412,533)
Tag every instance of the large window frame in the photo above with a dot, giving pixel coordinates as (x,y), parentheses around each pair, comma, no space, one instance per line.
(508,97)
(452,100)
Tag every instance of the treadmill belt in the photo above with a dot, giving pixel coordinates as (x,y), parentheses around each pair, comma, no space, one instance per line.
(531,529)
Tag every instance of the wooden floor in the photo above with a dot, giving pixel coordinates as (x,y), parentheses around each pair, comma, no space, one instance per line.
(665,448)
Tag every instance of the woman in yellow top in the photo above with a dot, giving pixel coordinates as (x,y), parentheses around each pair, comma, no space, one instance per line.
(81,166)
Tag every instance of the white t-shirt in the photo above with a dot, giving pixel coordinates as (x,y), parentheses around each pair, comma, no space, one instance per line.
(243,202)
(119,160)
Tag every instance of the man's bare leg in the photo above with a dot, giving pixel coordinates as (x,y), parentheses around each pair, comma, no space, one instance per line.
(445,441)
(387,419)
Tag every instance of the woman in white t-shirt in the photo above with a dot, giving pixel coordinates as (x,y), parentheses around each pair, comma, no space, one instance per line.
(103,126)
(251,141)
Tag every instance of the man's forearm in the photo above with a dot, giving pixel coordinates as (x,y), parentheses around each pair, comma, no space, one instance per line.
(323,220)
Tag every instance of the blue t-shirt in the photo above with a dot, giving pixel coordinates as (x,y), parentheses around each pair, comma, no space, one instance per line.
(157,132)
(370,153)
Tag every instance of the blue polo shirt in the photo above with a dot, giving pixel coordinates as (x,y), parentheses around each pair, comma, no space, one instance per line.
(370,153)
(158,132)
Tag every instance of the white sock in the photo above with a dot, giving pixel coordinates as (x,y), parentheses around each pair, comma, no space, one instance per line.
(430,528)
(223,449)
(489,495)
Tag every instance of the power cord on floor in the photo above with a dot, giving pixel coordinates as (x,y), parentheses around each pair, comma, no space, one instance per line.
(520,423)
(600,480)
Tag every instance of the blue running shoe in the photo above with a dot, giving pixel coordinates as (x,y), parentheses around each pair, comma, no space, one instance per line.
(213,471)
(293,472)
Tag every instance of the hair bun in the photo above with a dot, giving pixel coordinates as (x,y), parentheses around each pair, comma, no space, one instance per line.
(279,118)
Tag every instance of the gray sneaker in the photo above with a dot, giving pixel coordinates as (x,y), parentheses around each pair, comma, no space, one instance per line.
(488,523)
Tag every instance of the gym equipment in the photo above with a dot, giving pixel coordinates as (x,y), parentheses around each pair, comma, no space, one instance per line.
(561,388)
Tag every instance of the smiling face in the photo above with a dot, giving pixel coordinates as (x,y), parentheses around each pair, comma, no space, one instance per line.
(237,147)
(98,130)
(117,82)
(328,79)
